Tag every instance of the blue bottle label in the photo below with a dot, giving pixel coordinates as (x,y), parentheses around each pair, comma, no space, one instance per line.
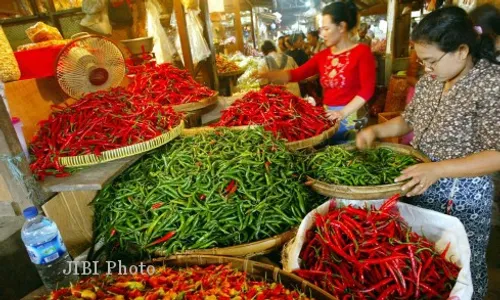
(47,252)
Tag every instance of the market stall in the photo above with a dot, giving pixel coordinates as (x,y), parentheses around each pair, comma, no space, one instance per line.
(160,168)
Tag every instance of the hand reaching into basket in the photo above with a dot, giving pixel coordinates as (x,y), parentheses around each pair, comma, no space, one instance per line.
(422,177)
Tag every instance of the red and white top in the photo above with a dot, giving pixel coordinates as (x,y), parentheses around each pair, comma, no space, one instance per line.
(343,76)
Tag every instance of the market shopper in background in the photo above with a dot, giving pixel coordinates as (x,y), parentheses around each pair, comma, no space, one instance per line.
(486,18)
(346,69)
(314,45)
(297,49)
(282,48)
(362,35)
(274,61)
(455,116)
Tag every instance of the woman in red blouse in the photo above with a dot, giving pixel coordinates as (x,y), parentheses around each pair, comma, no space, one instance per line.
(346,69)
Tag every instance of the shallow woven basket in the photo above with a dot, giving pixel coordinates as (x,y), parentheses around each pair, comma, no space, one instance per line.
(373,192)
(255,270)
(122,152)
(315,140)
(297,145)
(196,105)
(244,250)
(231,74)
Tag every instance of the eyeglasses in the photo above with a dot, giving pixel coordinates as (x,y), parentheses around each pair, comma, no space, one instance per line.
(432,65)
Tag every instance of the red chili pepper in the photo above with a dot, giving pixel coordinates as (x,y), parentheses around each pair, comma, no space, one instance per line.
(163,239)
(156,205)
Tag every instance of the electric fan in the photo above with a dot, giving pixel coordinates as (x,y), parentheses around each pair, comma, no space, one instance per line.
(88,64)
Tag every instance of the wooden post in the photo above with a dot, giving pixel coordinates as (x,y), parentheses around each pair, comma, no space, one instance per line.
(237,26)
(254,37)
(180,17)
(14,167)
(392,10)
(210,70)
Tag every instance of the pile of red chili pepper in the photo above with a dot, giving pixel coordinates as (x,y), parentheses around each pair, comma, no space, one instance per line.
(167,85)
(279,111)
(368,253)
(224,65)
(213,282)
(98,122)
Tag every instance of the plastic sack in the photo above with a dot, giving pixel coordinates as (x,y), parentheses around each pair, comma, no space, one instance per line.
(96,16)
(41,32)
(163,48)
(437,227)
(197,43)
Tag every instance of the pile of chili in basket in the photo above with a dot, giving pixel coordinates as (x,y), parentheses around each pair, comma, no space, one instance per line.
(167,85)
(368,253)
(213,282)
(224,65)
(279,111)
(98,122)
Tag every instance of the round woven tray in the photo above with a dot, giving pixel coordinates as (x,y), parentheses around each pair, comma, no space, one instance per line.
(244,250)
(255,270)
(231,74)
(373,192)
(315,140)
(297,145)
(196,105)
(92,159)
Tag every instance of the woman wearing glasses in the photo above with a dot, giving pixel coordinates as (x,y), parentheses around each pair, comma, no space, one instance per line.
(455,115)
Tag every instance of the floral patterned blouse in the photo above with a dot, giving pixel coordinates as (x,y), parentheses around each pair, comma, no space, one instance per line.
(463,121)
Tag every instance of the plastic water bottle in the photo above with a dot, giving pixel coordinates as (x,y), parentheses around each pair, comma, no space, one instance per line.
(46,249)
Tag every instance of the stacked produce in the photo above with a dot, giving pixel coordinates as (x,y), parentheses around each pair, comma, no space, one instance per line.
(368,253)
(167,85)
(248,81)
(210,282)
(98,122)
(279,111)
(224,65)
(340,166)
(211,190)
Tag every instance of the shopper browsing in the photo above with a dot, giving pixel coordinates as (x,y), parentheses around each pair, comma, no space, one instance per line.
(346,69)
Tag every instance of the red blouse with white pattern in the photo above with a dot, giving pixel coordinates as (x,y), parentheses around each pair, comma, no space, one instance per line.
(343,76)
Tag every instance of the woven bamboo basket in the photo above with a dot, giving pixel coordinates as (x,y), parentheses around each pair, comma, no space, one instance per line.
(196,105)
(244,250)
(367,192)
(207,129)
(255,270)
(122,152)
(315,140)
(231,74)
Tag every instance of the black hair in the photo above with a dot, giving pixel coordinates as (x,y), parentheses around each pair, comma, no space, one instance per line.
(487,16)
(449,28)
(314,33)
(295,37)
(342,12)
(267,47)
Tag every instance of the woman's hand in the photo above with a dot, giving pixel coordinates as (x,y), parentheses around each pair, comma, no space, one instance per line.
(335,115)
(422,177)
(365,138)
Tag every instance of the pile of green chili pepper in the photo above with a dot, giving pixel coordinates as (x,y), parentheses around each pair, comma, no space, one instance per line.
(337,165)
(368,253)
(212,190)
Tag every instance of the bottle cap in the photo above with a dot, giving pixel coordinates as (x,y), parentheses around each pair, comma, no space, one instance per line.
(30,212)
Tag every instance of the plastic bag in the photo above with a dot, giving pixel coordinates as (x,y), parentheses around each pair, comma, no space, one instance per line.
(437,227)
(191,4)
(163,48)
(199,47)
(41,32)
(96,16)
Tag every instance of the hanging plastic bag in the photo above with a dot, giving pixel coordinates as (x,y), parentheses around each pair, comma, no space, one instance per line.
(96,16)
(437,227)
(197,43)
(163,48)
